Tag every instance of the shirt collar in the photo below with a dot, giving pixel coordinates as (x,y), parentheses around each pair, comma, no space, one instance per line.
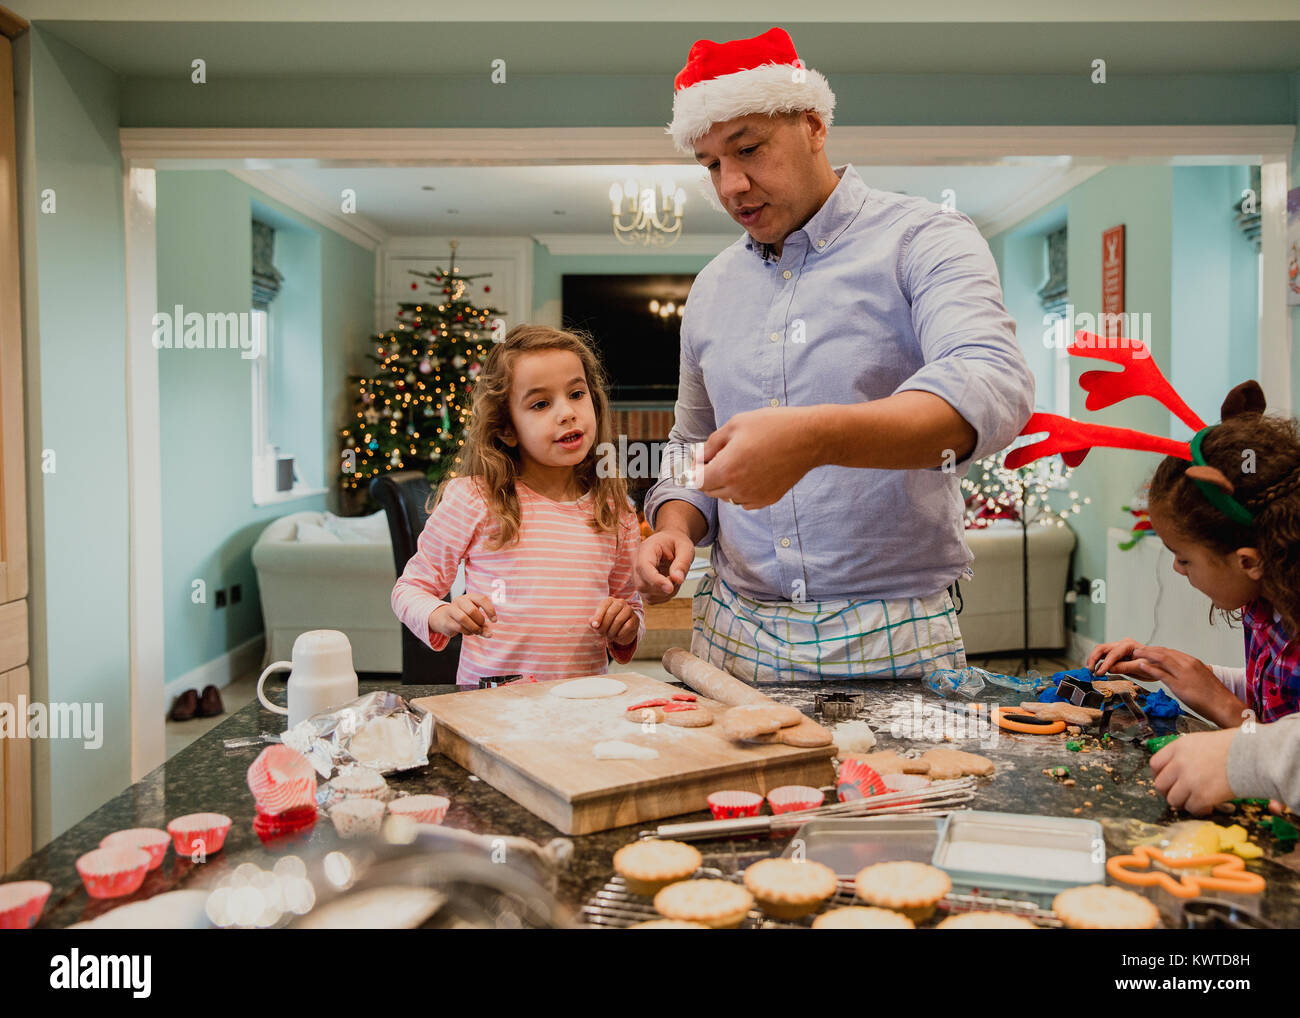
(829,221)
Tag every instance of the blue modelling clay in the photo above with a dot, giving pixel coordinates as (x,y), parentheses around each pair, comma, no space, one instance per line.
(1160,704)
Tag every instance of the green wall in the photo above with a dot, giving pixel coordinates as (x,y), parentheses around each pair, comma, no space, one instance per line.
(75,356)
(209,520)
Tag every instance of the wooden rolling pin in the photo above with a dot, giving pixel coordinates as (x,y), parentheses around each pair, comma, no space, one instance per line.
(727,689)
(712,682)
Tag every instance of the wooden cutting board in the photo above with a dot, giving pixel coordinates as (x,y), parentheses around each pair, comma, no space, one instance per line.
(536,748)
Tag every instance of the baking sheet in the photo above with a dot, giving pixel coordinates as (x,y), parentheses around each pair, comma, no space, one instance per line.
(847,844)
(1015,852)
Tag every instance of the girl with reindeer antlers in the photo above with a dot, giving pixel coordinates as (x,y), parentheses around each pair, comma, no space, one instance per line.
(1227,505)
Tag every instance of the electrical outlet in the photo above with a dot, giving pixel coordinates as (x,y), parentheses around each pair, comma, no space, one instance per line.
(221,598)
(235,594)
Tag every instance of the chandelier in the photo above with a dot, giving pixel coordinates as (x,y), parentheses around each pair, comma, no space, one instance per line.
(656,217)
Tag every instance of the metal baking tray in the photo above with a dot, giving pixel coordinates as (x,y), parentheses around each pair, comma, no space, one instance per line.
(1017,852)
(847,844)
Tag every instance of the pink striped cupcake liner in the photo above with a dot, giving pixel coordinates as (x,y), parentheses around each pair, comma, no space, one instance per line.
(281,779)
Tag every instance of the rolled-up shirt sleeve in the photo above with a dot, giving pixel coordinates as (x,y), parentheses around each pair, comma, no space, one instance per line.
(968,339)
(693,421)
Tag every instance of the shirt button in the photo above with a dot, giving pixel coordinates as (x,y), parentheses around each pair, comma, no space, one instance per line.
(821,243)
(774,337)
(787,273)
(774,402)
(785,542)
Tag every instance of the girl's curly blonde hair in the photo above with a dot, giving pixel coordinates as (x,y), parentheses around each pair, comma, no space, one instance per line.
(495,466)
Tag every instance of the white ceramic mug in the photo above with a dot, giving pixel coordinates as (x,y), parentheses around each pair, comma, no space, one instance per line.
(321,676)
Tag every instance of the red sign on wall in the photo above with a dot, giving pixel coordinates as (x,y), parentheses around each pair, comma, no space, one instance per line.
(1112,280)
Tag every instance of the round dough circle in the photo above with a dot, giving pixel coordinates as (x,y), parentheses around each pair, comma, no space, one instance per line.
(588,689)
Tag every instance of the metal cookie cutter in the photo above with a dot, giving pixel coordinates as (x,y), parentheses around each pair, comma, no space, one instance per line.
(839,706)
(1081,696)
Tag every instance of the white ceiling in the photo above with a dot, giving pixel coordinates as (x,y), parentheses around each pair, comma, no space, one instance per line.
(547,200)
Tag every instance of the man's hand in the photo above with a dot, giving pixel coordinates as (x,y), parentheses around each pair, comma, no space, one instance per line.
(468,614)
(1187,677)
(759,455)
(616,620)
(661,564)
(1192,771)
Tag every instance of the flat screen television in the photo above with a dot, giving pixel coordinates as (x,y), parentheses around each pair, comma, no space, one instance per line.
(639,348)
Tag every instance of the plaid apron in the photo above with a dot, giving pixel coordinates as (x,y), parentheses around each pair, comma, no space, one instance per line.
(766,642)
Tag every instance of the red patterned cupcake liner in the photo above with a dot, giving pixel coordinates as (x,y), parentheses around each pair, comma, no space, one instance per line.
(789,798)
(728,805)
(21,903)
(113,872)
(147,839)
(857,781)
(195,831)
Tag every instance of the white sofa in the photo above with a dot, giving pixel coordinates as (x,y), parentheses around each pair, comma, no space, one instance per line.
(992,616)
(992,613)
(325,582)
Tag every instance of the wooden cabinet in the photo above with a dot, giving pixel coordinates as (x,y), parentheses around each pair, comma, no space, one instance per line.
(15,689)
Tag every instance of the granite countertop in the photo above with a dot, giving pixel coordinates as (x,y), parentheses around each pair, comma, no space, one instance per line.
(207,777)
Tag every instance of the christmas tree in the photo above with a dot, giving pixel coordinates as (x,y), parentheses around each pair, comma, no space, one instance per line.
(412,410)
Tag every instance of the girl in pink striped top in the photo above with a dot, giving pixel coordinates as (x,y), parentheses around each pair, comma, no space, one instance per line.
(549,544)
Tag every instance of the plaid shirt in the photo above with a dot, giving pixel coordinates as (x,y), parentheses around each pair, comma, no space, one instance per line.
(1272,663)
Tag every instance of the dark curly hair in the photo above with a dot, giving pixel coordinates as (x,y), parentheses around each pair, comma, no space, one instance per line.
(1258,456)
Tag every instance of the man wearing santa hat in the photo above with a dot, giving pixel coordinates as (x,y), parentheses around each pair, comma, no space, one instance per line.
(843,363)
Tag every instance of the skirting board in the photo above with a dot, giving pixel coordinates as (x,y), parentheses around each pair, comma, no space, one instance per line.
(220,671)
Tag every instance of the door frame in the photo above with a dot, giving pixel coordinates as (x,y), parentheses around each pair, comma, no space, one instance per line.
(144,150)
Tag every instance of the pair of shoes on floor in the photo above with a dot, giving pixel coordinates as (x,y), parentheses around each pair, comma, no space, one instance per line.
(191,705)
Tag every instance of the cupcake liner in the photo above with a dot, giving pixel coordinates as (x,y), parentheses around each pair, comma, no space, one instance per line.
(857,781)
(281,779)
(148,839)
(728,805)
(423,809)
(113,872)
(789,798)
(194,831)
(284,825)
(21,903)
(355,818)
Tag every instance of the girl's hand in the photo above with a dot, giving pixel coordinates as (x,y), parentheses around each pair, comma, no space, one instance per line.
(616,620)
(468,614)
(1105,655)
(1188,678)
(1192,771)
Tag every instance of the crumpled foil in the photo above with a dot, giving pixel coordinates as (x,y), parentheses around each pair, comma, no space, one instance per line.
(327,739)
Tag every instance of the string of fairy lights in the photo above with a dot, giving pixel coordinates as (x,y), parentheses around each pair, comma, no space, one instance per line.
(417,401)
(991,491)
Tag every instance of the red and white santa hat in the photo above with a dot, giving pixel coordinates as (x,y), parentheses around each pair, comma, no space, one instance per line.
(725,80)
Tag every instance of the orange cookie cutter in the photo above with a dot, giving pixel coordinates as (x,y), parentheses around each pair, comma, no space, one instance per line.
(1228,872)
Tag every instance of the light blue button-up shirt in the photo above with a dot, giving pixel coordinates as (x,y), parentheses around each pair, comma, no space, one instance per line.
(878,293)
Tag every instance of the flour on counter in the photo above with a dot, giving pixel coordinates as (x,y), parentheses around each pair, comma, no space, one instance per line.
(618,750)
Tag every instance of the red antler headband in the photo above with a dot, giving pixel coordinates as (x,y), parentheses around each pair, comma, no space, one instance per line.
(1138,376)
